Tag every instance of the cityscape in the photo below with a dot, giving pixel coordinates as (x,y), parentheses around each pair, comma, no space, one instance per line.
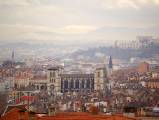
(93,68)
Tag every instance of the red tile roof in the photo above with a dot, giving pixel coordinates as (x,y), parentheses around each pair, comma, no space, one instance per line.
(14,115)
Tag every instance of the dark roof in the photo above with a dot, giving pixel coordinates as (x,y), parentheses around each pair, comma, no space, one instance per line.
(55,68)
(77,75)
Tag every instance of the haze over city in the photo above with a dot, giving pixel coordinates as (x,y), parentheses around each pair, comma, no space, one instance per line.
(79,59)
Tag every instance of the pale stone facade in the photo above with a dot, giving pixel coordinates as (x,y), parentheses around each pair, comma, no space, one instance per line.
(100,79)
(76,82)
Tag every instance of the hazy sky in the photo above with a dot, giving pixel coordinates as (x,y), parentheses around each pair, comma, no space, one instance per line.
(67,21)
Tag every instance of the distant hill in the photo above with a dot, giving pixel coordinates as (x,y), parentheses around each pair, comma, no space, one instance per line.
(24,50)
(145,52)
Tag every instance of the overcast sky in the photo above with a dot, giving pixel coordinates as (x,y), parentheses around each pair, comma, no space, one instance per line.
(67,21)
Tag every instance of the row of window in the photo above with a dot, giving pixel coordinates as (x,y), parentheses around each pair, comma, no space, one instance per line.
(52,80)
(84,84)
(52,74)
(65,90)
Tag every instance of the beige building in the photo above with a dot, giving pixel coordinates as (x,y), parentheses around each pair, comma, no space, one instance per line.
(153,83)
(56,81)
(100,77)
(61,82)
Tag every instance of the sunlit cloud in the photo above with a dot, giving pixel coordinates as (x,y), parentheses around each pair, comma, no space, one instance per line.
(76,29)
(76,19)
(70,29)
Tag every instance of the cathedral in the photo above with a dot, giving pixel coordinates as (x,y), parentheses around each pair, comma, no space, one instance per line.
(58,81)
(62,82)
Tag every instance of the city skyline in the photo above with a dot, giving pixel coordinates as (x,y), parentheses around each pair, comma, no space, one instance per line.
(79,59)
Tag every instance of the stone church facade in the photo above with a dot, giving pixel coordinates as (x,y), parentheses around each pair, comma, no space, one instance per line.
(62,82)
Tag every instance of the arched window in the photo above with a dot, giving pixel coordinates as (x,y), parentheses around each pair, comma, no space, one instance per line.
(62,84)
(50,74)
(88,83)
(77,84)
(98,74)
(92,83)
(66,84)
(37,87)
(71,84)
(82,86)
(42,87)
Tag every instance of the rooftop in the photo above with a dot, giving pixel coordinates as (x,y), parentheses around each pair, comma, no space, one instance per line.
(14,113)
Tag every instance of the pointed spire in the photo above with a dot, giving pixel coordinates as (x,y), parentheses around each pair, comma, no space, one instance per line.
(110,63)
(13,55)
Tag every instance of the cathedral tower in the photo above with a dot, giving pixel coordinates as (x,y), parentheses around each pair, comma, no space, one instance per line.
(54,79)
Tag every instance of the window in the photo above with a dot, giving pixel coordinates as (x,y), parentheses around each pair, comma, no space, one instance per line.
(88,83)
(66,84)
(98,74)
(62,84)
(52,74)
(92,83)
(77,84)
(71,84)
(82,83)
